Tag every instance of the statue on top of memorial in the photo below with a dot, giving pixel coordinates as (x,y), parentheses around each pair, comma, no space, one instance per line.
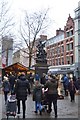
(41,53)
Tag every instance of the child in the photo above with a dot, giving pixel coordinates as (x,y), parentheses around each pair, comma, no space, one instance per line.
(11,105)
(37,94)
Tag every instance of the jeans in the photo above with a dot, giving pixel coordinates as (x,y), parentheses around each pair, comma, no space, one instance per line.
(38,106)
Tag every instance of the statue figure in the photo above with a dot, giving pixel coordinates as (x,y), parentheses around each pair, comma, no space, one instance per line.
(41,53)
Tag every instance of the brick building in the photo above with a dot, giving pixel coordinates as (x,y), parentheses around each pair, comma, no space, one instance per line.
(60,48)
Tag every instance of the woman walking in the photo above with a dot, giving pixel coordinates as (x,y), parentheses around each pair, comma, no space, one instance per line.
(72,90)
(6,87)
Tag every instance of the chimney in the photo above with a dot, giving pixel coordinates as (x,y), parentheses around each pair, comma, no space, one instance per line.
(58,32)
(43,37)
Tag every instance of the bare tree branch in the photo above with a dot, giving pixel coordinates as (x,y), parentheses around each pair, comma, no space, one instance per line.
(31,27)
(6,21)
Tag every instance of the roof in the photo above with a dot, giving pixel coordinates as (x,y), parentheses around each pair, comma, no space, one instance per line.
(16,67)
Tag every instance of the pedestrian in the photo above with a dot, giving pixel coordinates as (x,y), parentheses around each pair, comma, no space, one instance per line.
(21,87)
(52,93)
(43,79)
(12,79)
(31,80)
(37,96)
(37,77)
(65,84)
(5,87)
(72,90)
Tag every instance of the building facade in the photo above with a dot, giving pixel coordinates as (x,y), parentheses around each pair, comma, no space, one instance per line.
(22,57)
(77,40)
(60,48)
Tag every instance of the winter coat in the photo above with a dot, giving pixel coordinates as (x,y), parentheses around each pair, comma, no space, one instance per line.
(52,86)
(12,80)
(37,93)
(43,80)
(21,88)
(37,77)
(71,87)
(6,85)
(65,80)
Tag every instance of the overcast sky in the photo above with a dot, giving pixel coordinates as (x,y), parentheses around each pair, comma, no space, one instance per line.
(59,10)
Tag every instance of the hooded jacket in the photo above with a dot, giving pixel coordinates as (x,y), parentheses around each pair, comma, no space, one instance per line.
(21,88)
(37,92)
(52,86)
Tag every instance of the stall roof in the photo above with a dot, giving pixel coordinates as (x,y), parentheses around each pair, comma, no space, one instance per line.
(16,67)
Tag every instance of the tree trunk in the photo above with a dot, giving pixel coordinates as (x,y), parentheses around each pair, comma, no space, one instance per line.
(30,61)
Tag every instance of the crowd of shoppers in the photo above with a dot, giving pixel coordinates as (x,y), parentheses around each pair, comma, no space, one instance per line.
(23,85)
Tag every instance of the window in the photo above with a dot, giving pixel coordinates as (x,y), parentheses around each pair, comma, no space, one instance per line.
(71,59)
(62,48)
(62,61)
(67,47)
(68,60)
(58,50)
(71,46)
(67,34)
(71,32)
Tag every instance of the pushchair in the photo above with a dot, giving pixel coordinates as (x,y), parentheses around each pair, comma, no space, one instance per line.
(11,106)
(44,101)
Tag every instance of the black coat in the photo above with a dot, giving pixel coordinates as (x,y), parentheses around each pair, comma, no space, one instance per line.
(21,88)
(71,88)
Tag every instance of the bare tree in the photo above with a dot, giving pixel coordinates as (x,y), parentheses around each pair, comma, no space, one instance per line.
(6,19)
(30,29)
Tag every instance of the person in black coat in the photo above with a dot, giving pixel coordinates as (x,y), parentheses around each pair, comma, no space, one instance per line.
(72,90)
(21,89)
(6,87)
(12,79)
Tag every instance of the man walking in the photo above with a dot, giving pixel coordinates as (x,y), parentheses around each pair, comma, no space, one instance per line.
(52,94)
(21,87)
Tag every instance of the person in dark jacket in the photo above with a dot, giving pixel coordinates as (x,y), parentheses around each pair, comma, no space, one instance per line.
(21,89)
(6,87)
(31,80)
(52,93)
(65,84)
(72,90)
(43,79)
(37,96)
(12,81)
